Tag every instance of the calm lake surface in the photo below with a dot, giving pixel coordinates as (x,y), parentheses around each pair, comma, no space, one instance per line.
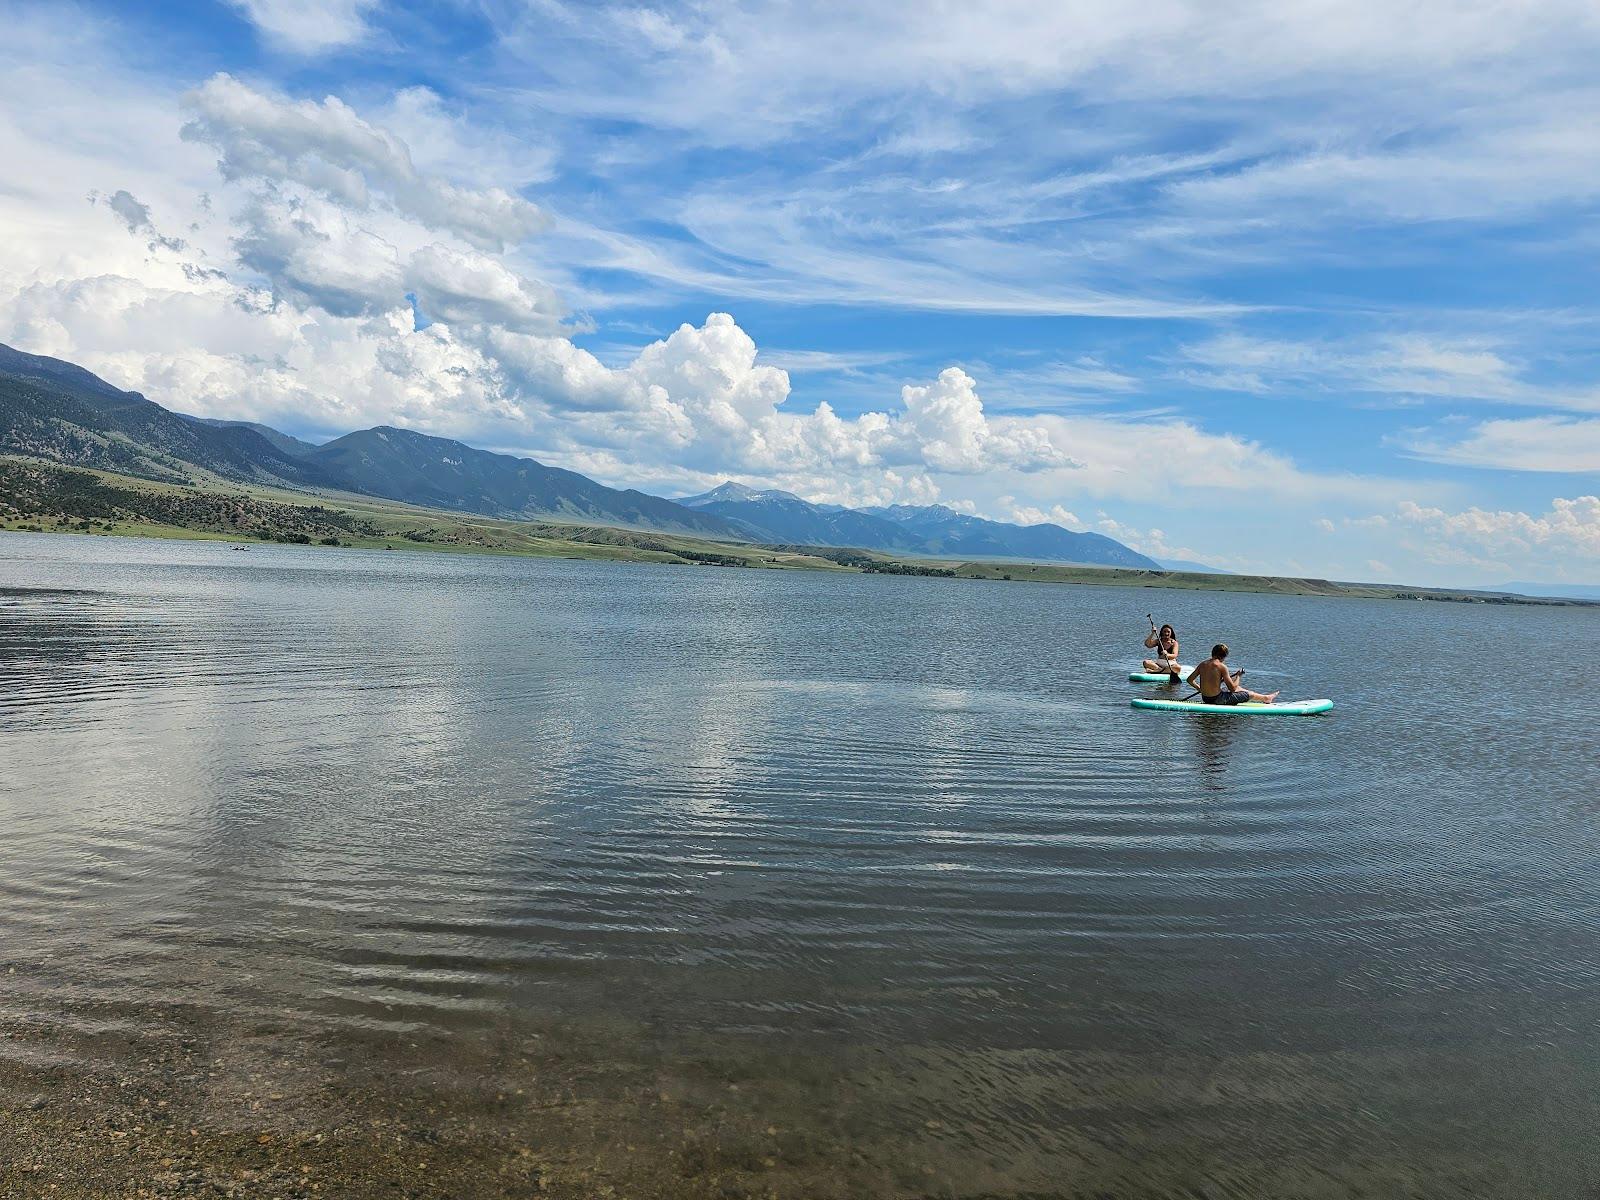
(718,882)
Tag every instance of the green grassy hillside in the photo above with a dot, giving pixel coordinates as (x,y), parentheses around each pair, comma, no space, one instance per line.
(43,497)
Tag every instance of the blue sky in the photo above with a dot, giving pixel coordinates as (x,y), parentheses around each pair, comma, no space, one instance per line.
(1284,287)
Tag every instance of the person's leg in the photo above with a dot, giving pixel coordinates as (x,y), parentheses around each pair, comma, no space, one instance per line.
(1261,697)
(1153,668)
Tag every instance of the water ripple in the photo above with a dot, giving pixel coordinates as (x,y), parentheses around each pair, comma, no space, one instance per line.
(888,823)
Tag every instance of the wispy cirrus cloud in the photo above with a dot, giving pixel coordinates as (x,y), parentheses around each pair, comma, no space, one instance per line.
(1446,367)
(308,26)
(760,70)
(1547,443)
(1080,158)
(804,362)
(1079,382)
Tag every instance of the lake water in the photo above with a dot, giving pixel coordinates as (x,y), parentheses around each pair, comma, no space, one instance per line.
(680,881)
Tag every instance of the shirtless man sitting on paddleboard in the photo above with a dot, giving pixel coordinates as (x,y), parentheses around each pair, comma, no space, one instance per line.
(1218,686)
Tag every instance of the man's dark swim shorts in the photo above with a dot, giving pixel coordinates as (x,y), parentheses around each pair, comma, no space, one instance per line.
(1227,698)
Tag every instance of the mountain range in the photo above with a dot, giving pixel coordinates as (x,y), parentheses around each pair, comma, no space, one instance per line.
(932,529)
(60,412)
(57,411)
(1569,591)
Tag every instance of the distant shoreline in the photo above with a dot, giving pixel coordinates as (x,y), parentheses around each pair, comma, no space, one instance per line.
(43,497)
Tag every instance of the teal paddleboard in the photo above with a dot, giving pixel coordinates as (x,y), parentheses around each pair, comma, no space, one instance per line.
(1146,677)
(1291,708)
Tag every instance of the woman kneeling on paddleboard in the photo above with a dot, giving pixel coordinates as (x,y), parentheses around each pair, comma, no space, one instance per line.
(1165,644)
(1218,686)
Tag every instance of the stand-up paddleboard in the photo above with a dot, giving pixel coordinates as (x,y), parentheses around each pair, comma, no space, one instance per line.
(1146,677)
(1291,708)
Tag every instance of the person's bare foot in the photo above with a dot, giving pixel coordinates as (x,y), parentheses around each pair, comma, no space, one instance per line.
(1271,697)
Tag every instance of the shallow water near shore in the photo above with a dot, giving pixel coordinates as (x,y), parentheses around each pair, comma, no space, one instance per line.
(333,872)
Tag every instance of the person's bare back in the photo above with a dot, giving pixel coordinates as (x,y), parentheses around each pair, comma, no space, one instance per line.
(1209,677)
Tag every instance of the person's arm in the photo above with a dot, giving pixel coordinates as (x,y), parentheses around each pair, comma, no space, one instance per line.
(1194,676)
(1152,640)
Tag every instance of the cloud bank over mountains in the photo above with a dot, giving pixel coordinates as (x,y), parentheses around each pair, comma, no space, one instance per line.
(335,283)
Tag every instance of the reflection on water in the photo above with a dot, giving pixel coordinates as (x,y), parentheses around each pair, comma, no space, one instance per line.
(883,865)
(1212,740)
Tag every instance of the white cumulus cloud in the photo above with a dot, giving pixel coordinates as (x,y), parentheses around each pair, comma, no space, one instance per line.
(1009,509)
(314,255)
(465,287)
(330,149)
(701,394)
(946,423)
(1567,535)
